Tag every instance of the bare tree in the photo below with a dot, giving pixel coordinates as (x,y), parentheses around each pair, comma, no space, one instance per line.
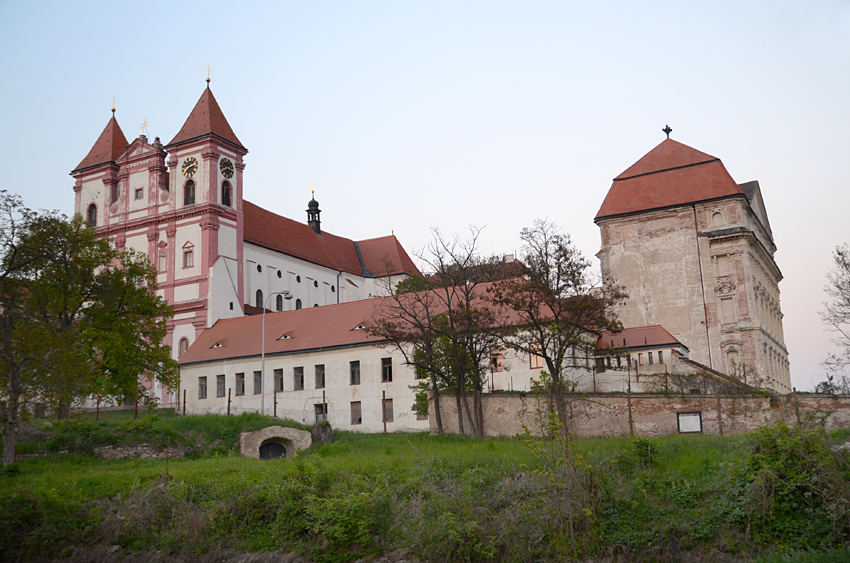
(555,308)
(836,313)
(443,326)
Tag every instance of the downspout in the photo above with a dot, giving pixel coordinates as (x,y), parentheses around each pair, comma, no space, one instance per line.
(702,287)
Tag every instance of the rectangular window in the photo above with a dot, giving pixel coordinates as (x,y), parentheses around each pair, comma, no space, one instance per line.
(320,376)
(640,359)
(660,357)
(496,359)
(535,361)
(240,383)
(356,417)
(321,415)
(619,362)
(202,387)
(220,386)
(388,410)
(600,365)
(386,369)
(258,382)
(298,378)
(163,262)
(650,358)
(140,193)
(278,380)
(188,259)
(355,372)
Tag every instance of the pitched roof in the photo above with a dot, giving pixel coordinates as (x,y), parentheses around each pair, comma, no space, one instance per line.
(107,148)
(670,174)
(308,329)
(272,231)
(206,119)
(638,337)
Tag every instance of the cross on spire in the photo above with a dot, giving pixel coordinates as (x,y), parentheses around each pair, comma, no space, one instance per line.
(144,126)
(207,72)
(313,189)
(667,129)
(114,99)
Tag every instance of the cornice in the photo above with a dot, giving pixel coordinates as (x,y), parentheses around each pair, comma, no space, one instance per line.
(177,215)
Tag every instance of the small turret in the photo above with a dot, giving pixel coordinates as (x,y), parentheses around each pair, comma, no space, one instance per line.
(313,212)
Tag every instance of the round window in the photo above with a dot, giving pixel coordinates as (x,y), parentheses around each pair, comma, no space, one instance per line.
(333,289)
(279,274)
(298,279)
(259,268)
(315,283)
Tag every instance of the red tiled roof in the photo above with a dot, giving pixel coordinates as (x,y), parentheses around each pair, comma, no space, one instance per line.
(309,329)
(272,231)
(107,148)
(206,119)
(379,253)
(670,174)
(637,337)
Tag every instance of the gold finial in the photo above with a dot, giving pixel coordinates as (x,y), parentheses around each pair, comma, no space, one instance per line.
(114,99)
(313,189)
(207,72)
(144,126)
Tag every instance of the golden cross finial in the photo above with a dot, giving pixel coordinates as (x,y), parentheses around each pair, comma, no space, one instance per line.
(114,99)
(144,126)
(207,72)
(313,189)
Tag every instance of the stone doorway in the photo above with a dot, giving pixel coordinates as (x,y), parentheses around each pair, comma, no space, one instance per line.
(272,450)
(274,442)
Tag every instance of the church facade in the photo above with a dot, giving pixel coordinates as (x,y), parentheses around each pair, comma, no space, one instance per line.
(217,255)
(695,252)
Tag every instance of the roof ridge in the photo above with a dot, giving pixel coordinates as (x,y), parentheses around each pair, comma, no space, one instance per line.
(621,177)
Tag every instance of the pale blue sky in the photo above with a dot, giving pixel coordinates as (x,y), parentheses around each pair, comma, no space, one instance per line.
(447,114)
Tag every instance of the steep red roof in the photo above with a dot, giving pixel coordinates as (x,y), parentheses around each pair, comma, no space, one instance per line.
(206,119)
(107,148)
(308,329)
(637,337)
(272,231)
(670,174)
(378,253)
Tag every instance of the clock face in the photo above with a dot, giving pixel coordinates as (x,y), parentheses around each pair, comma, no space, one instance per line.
(190,166)
(226,168)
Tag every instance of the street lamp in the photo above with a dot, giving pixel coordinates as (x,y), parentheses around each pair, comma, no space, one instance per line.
(287,296)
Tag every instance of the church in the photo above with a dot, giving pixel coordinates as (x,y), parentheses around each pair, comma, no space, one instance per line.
(694,251)
(217,255)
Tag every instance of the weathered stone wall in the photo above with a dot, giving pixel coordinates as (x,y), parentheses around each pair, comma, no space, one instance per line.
(141,451)
(651,415)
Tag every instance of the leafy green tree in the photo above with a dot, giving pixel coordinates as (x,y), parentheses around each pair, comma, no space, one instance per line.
(79,317)
(836,313)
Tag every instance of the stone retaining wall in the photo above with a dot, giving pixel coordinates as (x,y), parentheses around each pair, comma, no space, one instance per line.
(651,415)
(140,451)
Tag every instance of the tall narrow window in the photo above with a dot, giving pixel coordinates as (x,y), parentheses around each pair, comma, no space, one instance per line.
(220,386)
(660,357)
(321,415)
(184,345)
(297,304)
(163,261)
(386,369)
(355,372)
(650,358)
(259,299)
(298,377)
(202,387)
(240,383)
(91,216)
(388,410)
(189,193)
(188,255)
(258,382)
(320,376)
(356,416)
(225,194)
(279,303)
(496,359)
(278,380)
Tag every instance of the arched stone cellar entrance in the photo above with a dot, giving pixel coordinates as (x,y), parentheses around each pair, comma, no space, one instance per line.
(273,442)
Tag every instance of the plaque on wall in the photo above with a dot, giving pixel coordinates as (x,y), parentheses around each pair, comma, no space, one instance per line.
(690,422)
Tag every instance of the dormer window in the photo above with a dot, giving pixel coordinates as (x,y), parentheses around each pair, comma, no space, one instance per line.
(226,194)
(91,216)
(285,337)
(218,345)
(359,327)
(189,193)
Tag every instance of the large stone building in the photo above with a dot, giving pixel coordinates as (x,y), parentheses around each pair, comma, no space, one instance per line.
(695,252)
(217,255)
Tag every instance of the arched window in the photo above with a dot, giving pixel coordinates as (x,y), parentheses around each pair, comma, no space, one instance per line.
(189,193)
(226,195)
(279,302)
(297,303)
(184,345)
(91,216)
(259,299)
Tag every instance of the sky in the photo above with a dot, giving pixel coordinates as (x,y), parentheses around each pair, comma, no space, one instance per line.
(411,116)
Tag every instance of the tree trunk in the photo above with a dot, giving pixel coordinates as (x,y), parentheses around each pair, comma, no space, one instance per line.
(438,416)
(459,415)
(10,423)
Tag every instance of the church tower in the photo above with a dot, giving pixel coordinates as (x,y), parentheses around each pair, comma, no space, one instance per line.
(695,252)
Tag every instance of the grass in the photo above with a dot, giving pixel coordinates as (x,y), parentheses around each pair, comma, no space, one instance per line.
(439,497)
